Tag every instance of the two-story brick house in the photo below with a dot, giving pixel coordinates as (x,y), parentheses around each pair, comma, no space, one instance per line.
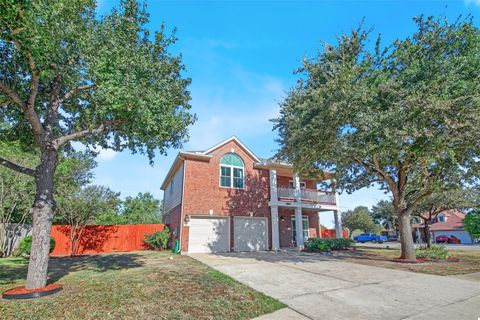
(227,199)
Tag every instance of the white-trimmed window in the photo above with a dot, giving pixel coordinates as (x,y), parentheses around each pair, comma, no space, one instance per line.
(442,218)
(231,171)
(171,187)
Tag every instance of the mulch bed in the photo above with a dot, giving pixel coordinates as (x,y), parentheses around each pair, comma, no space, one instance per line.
(399,260)
(444,260)
(24,293)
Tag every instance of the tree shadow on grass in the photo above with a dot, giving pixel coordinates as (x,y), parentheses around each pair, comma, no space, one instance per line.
(61,267)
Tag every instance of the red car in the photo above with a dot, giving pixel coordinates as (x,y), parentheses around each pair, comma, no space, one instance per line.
(441,239)
(445,239)
(453,239)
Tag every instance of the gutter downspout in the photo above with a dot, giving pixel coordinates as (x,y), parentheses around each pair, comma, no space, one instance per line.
(183,201)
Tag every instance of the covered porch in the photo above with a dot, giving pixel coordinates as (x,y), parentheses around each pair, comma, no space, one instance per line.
(287,233)
(310,226)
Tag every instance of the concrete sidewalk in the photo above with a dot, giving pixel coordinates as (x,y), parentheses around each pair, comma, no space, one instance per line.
(318,287)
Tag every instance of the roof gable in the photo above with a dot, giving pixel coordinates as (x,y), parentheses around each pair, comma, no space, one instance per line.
(237,141)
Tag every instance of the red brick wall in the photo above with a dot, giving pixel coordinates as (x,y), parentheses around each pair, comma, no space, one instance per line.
(285,226)
(283,181)
(203,192)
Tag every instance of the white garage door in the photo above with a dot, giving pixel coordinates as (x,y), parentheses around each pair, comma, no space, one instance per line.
(208,235)
(250,234)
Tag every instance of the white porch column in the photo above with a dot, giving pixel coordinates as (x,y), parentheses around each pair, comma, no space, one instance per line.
(338,223)
(299,227)
(273,186)
(298,212)
(274,210)
(275,229)
(338,217)
(319,225)
(296,186)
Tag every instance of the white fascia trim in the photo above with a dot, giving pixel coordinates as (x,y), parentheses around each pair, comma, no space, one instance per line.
(233,138)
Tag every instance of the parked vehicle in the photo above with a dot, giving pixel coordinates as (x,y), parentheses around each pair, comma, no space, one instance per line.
(392,237)
(441,239)
(453,239)
(369,237)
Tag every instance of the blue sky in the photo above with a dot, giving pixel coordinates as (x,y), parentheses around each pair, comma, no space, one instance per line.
(241,56)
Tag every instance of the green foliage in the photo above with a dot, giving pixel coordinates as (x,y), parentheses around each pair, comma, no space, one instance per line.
(26,244)
(459,198)
(411,108)
(434,252)
(81,206)
(328,244)
(116,85)
(159,239)
(17,190)
(472,223)
(359,218)
(383,213)
(403,116)
(142,209)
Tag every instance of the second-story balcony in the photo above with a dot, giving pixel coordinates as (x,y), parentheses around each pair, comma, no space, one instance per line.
(306,195)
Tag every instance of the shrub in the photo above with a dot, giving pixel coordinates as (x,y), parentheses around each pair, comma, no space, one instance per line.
(26,244)
(435,252)
(329,244)
(159,239)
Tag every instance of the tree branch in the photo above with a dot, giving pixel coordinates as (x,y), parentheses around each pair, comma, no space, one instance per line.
(108,125)
(12,95)
(73,92)
(35,80)
(16,167)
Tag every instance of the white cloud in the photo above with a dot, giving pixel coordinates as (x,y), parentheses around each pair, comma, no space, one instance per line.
(102,154)
(223,113)
(474,2)
(106,154)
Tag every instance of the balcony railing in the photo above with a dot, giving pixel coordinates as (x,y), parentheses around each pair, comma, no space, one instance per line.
(306,195)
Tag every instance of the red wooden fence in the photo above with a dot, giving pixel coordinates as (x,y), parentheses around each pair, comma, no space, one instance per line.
(332,233)
(103,239)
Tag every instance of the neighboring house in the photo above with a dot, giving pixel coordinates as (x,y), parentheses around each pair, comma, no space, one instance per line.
(447,223)
(226,198)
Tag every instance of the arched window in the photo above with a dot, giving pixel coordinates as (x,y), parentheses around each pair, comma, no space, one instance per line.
(231,171)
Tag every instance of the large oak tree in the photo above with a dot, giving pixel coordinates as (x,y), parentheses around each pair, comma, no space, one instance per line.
(405,116)
(67,75)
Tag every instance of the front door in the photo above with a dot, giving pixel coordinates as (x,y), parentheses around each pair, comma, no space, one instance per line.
(304,225)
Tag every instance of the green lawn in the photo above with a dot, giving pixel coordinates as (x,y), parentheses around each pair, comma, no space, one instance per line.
(469,261)
(138,285)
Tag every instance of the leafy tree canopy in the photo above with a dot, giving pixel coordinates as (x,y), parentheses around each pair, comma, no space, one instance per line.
(81,206)
(409,109)
(472,223)
(66,75)
(143,208)
(358,218)
(383,213)
(404,116)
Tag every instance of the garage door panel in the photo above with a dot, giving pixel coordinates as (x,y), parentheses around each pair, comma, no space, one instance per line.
(208,235)
(250,234)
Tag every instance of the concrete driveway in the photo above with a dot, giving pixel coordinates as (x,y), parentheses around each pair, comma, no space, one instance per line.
(319,287)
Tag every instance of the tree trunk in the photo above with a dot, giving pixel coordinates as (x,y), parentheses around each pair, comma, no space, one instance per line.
(428,238)
(406,237)
(42,215)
